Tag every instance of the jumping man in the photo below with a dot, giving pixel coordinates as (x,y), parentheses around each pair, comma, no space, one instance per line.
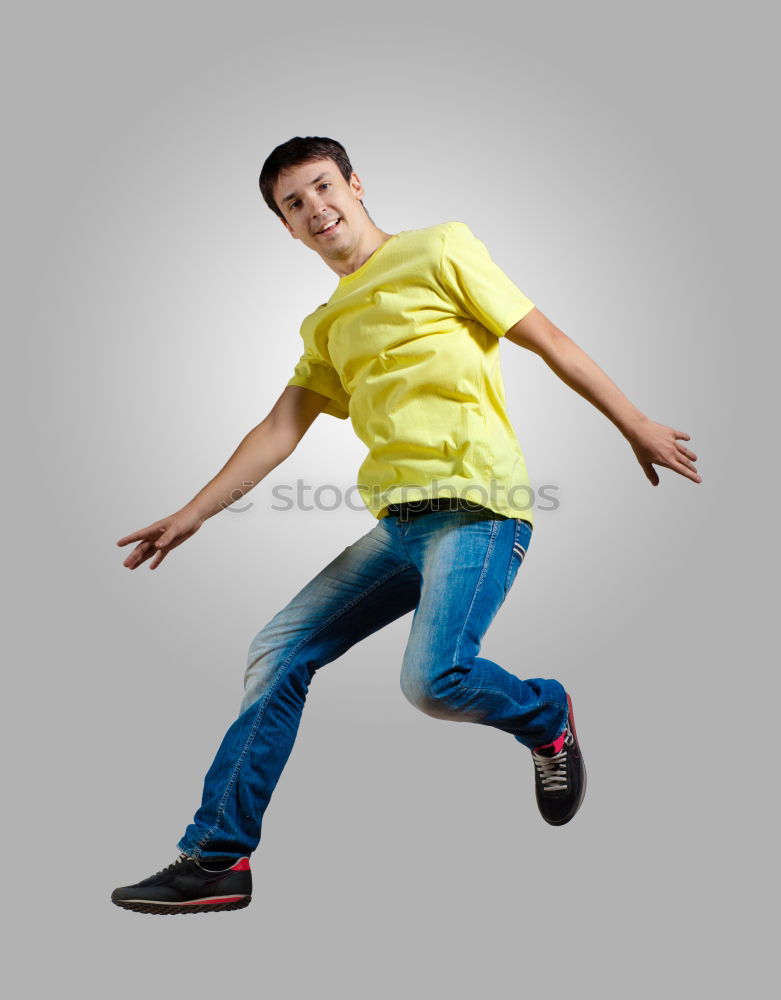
(407,347)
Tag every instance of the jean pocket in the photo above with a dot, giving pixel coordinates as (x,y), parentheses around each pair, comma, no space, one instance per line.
(521,539)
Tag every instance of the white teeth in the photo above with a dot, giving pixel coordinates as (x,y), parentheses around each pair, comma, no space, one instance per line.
(329,226)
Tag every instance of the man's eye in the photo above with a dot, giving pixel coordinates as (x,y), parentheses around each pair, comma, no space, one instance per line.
(294,204)
(325,184)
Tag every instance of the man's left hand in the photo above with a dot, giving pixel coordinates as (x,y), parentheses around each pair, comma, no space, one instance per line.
(656,444)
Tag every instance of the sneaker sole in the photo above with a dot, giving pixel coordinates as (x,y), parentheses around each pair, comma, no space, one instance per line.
(196,906)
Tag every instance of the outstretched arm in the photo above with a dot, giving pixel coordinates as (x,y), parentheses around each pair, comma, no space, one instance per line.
(261,450)
(652,443)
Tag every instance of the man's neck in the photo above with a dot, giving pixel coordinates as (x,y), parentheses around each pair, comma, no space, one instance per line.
(369,241)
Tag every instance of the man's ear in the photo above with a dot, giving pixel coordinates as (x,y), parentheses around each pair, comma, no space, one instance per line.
(287,226)
(356,186)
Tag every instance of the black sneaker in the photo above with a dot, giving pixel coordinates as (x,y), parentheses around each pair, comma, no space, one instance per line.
(560,775)
(187,887)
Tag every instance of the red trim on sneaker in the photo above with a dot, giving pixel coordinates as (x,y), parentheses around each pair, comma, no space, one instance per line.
(571,717)
(242,865)
(556,745)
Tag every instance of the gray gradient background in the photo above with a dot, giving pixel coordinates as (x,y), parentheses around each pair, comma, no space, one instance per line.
(616,159)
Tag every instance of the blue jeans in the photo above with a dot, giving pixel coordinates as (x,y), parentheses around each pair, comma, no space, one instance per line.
(454,568)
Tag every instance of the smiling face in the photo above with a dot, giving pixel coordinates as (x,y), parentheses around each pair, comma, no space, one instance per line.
(322,209)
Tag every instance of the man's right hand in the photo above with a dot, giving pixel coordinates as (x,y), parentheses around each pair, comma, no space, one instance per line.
(159,538)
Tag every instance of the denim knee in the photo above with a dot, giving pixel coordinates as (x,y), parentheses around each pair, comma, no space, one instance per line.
(260,671)
(427,692)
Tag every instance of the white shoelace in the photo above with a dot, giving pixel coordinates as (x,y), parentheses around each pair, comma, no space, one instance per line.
(553,770)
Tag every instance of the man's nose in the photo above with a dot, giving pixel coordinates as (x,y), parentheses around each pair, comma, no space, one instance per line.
(318,206)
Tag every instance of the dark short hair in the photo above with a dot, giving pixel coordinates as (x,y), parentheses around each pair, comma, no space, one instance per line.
(293,153)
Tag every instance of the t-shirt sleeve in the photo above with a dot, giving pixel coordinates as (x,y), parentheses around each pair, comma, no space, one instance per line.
(315,373)
(478,286)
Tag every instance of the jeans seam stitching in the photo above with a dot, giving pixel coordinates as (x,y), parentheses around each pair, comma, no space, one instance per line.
(512,569)
(516,535)
(478,586)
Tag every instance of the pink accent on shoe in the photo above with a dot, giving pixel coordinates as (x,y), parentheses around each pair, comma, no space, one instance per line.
(242,865)
(556,745)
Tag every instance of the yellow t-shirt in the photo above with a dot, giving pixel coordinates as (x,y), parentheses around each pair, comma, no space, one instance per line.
(408,347)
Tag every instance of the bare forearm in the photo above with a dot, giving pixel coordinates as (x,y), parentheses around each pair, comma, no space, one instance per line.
(574,367)
(652,443)
(259,452)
